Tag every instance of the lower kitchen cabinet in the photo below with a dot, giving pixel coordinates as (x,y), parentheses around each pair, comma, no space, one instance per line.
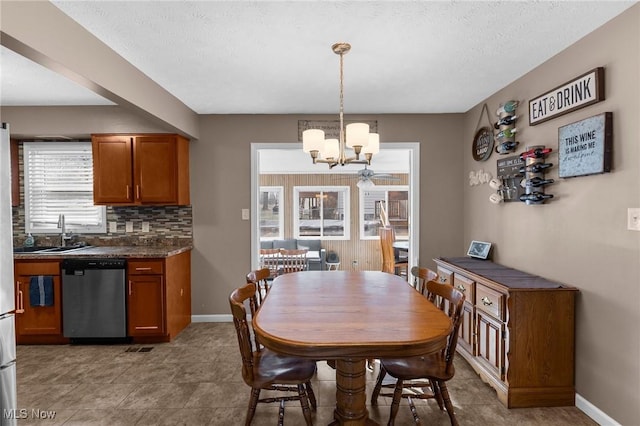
(37,324)
(518,331)
(159,297)
(145,307)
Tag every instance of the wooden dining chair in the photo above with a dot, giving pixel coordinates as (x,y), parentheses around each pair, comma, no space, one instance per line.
(264,369)
(389,262)
(260,277)
(421,276)
(414,374)
(293,260)
(270,259)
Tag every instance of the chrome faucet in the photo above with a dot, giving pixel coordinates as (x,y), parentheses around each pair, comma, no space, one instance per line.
(63,231)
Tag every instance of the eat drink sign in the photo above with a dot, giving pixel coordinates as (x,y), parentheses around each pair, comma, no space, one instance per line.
(577,93)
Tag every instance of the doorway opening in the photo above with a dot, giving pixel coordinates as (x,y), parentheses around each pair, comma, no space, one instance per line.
(293,199)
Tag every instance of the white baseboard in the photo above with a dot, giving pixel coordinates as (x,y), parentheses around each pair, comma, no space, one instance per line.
(582,404)
(594,412)
(212,318)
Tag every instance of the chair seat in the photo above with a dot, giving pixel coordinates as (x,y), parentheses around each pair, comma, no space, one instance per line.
(433,366)
(270,368)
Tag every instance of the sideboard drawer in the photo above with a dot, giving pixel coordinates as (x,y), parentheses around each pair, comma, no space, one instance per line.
(445,276)
(490,301)
(465,285)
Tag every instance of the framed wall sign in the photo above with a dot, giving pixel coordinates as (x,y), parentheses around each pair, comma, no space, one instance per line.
(482,144)
(577,93)
(584,147)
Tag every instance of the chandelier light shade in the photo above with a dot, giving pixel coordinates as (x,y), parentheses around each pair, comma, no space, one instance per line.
(355,136)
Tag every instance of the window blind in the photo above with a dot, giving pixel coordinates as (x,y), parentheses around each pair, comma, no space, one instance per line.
(58,179)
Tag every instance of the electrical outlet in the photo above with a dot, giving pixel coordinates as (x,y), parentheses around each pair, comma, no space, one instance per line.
(145,226)
(245,214)
(113,227)
(633,219)
(128,226)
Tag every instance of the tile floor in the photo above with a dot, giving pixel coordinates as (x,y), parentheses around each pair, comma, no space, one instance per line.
(196,380)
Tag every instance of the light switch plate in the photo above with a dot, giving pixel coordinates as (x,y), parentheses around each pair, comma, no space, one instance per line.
(128,227)
(633,219)
(145,226)
(113,227)
(245,214)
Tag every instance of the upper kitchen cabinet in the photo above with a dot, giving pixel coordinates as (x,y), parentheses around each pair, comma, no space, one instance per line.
(151,169)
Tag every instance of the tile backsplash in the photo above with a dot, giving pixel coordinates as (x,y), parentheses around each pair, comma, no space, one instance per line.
(168,225)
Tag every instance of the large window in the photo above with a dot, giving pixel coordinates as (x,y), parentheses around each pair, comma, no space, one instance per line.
(58,179)
(321,212)
(271,210)
(395,199)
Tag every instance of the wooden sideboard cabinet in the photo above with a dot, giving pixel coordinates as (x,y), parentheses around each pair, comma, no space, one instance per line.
(158,297)
(518,331)
(149,169)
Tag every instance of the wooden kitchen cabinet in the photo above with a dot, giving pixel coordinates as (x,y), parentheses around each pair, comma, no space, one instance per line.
(37,324)
(158,297)
(146,169)
(518,331)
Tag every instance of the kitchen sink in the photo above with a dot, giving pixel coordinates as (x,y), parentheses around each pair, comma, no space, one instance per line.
(31,249)
(49,249)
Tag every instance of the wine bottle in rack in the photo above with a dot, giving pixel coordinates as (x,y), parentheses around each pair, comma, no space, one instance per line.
(535,182)
(535,197)
(506,147)
(508,107)
(505,121)
(506,133)
(535,153)
(535,168)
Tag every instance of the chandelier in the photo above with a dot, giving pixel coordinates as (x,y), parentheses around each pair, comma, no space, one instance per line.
(355,135)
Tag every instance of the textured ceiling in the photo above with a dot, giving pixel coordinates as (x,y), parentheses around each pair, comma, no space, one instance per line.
(225,57)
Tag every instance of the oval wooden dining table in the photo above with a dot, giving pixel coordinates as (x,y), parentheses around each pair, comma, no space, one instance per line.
(349,316)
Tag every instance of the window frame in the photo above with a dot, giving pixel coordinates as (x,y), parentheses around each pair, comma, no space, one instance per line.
(346,190)
(386,189)
(30,226)
(280,196)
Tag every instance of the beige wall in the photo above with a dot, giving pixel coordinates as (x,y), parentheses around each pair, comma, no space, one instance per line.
(580,237)
(221,187)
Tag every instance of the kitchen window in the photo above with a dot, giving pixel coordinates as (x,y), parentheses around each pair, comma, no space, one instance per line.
(58,179)
(271,213)
(321,212)
(395,199)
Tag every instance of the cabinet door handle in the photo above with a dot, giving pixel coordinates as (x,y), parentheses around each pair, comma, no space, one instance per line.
(128,192)
(20,308)
(149,327)
(486,301)
(461,288)
(138,192)
(129,287)
(143,269)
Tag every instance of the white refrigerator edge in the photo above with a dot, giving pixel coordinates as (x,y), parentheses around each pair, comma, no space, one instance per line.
(8,387)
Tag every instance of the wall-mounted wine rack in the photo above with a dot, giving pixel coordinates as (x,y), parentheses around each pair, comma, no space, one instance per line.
(505,139)
(534,181)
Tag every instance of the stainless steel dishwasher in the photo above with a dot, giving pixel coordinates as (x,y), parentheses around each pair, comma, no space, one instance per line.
(94,298)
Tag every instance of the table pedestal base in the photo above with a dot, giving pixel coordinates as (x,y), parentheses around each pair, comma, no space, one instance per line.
(351,398)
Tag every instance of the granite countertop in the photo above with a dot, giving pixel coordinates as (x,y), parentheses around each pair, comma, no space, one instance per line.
(109,252)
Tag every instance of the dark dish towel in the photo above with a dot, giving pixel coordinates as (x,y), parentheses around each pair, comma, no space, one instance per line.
(41,290)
